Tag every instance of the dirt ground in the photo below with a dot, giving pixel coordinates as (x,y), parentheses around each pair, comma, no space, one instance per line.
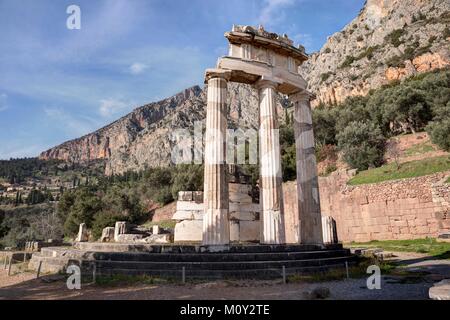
(25,286)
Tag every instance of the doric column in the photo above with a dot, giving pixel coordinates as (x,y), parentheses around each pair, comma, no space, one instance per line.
(216,228)
(309,214)
(271,195)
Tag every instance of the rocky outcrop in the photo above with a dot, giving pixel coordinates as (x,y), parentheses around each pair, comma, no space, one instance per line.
(388,40)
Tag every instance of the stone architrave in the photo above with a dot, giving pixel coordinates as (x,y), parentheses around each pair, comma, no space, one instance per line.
(272,213)
(83,235)
(216,229)
(309,213)
(120,228)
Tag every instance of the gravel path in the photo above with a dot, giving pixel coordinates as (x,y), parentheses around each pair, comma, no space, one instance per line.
(24,286)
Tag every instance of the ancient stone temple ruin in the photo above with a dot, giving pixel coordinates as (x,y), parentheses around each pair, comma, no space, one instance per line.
(270,63)
(226,217)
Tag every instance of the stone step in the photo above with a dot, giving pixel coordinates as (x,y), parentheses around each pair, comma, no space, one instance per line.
(214,257)
(235,266)
(267,273)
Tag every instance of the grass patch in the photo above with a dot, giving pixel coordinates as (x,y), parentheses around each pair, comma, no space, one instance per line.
(439,250)
(420,148)
(165,224)
(357,271)
(409,169)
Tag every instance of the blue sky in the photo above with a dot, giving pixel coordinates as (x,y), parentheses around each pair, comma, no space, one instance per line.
(57,84)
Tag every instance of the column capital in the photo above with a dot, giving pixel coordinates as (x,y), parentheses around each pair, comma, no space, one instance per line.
(217,73)
(265,82)
(302,96)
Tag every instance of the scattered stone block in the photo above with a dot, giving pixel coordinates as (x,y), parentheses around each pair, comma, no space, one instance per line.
(197,196)
(248,216)
(83,235)
(189,206)
(329,230)
(120,228)
(184,195)
(129,238)
(440,290)
(107,234)
(155,229)
(157,238)
(188,215)
(189,230)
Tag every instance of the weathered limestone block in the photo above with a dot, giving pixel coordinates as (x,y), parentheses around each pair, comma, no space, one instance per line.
(185,195)
(245,231)
(155,230)
(245,207)
(239,188)
(189,230)
(188,215)
(197,196)
(129,238)
(329,230)
(83,235)
(240,198)
(107,234)
(247,216)
(120,228)
(157,238)
(189,206)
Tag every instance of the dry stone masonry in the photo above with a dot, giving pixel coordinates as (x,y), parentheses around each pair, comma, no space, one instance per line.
(399,209)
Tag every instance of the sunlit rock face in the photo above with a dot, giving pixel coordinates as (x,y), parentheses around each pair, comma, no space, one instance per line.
(361,56)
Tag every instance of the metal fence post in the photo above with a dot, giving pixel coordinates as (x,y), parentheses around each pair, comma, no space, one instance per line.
(283,270)
(346,269)
(39,269)
(183,275)
(94,273)
(9,266)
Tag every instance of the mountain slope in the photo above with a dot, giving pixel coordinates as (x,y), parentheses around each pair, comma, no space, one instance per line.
(143,138)
(388,40)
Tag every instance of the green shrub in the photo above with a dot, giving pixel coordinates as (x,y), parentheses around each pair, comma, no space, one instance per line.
(347,62)
(439,132)
(362,145)
(325,76)
(327,50)
(394,37)
(360,38)
(102,220)
(446,33)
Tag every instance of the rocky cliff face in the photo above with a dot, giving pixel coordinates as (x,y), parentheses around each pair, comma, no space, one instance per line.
(144,138)
(388,40)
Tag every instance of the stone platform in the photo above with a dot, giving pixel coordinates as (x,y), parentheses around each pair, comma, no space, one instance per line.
(205,262)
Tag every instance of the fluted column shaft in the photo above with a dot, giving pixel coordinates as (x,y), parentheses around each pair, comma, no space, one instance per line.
(216,228)
(309,213)
(271,196)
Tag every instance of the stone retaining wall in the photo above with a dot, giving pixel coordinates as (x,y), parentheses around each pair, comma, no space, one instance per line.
(398,209)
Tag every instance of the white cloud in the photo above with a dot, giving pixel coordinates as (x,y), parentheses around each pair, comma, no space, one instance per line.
(110,107)
(3,105)
(271,14)
(137,68)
